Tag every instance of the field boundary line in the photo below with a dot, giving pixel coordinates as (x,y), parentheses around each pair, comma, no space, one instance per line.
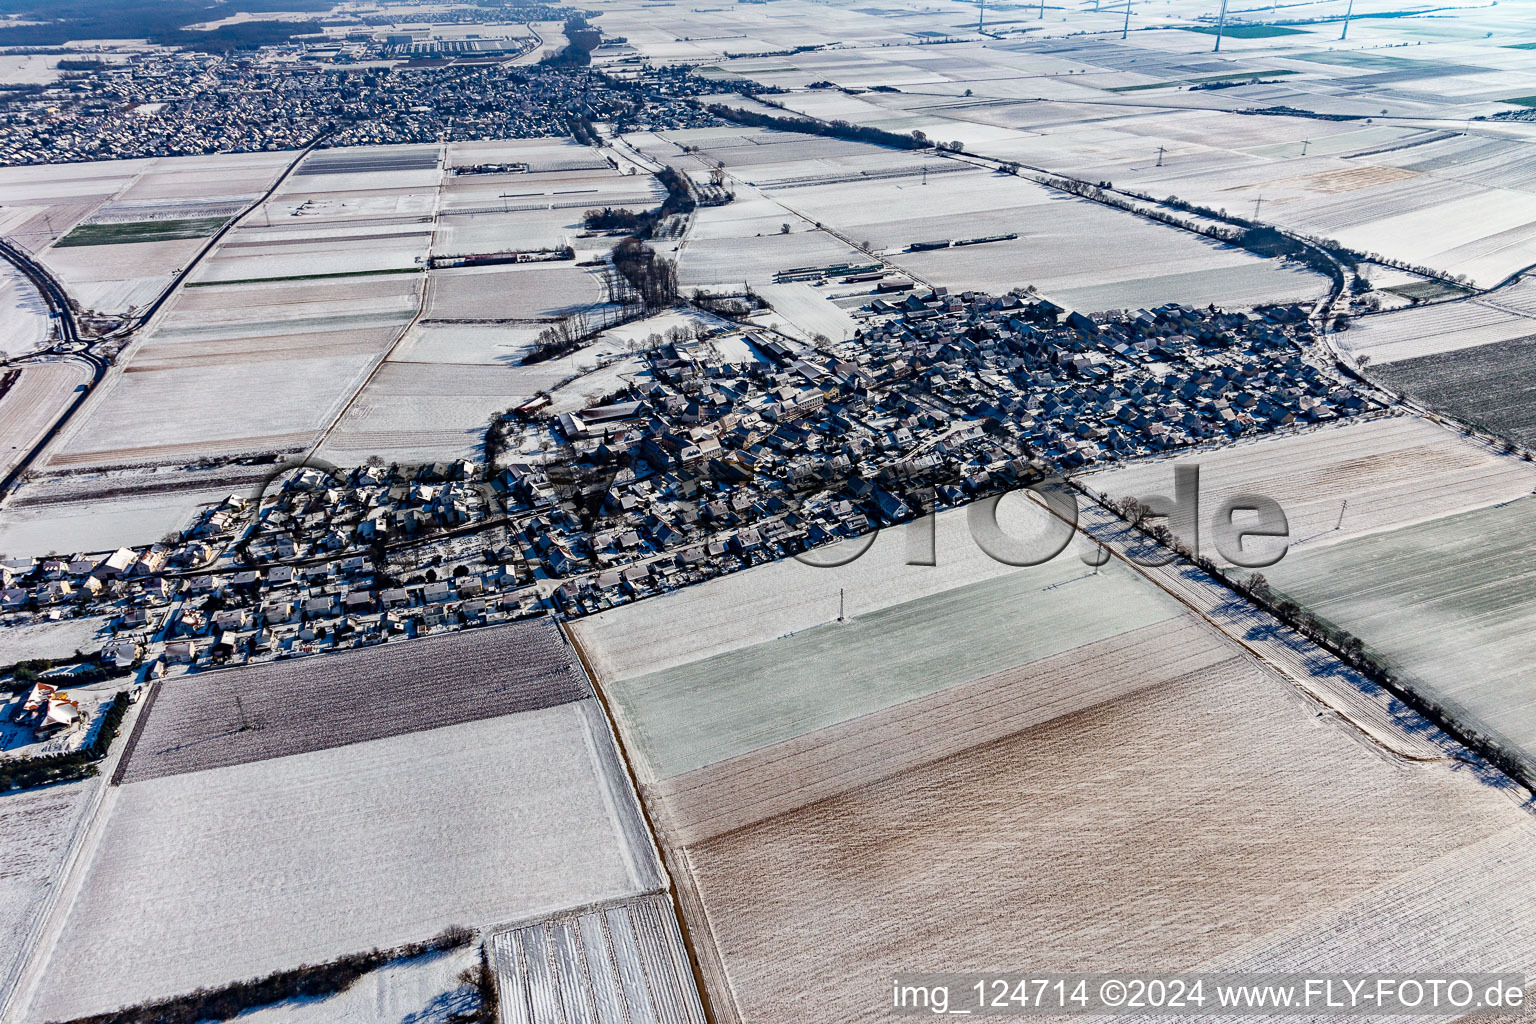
(650,825)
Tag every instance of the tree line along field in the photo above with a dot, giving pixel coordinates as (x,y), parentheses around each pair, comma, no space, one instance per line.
(1151,794)
(1448,603)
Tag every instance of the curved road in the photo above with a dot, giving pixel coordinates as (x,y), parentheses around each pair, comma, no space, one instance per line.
(60,307)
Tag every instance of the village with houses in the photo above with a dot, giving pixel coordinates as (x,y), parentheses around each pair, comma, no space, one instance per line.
(729,449)
(514,513)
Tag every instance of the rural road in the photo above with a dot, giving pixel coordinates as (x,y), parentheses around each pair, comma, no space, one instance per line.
(60,307)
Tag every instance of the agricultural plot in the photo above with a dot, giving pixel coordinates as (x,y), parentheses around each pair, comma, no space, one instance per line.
(529,292)
(76,522)
(122,249)
(424,988)
(1458,201)
(716,708)
(1492,386)
(1449,602)
(33,396)
(426,412)
(1149,264)
(1442,328)
(23,314)
(53,639)
(728,263)
(782,777)
(745,609)
(118,277)
(813,862)
(128,232)
(196,722)
(624,962)
(1339,482)
(45,203)
(809,311)
(374,844)
(501,344)
(1088,841)
(35,830)
(305,356)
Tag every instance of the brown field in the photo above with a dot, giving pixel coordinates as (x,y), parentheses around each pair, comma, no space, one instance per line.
(1160,799)
(774,780)
(1169,827)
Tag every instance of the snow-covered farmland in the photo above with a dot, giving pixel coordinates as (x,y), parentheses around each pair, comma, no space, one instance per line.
(35,830)
(175,398)
(1390,471)
(422,990)
(23,315)
(748,608)
(59,638)
(1039,776)
(374,844)
(683,718)
(431,411)
(84,523)
(1505,315)
(1090,840)
(529,292)
(37,395)
(1451,602)
(624,962)
(118,278)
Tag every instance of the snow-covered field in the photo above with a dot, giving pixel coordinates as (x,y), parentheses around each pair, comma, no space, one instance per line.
(36,398)
(422,990)
(35,830)
(1390,471)
(1450,602)
(715,708)
(748,608)
(235,872)
(23,314)
(1505,315)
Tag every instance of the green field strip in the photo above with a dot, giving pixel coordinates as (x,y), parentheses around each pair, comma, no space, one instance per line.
(1246,31)
(1449,603)
(739,701)
(306,277)
(140,231)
